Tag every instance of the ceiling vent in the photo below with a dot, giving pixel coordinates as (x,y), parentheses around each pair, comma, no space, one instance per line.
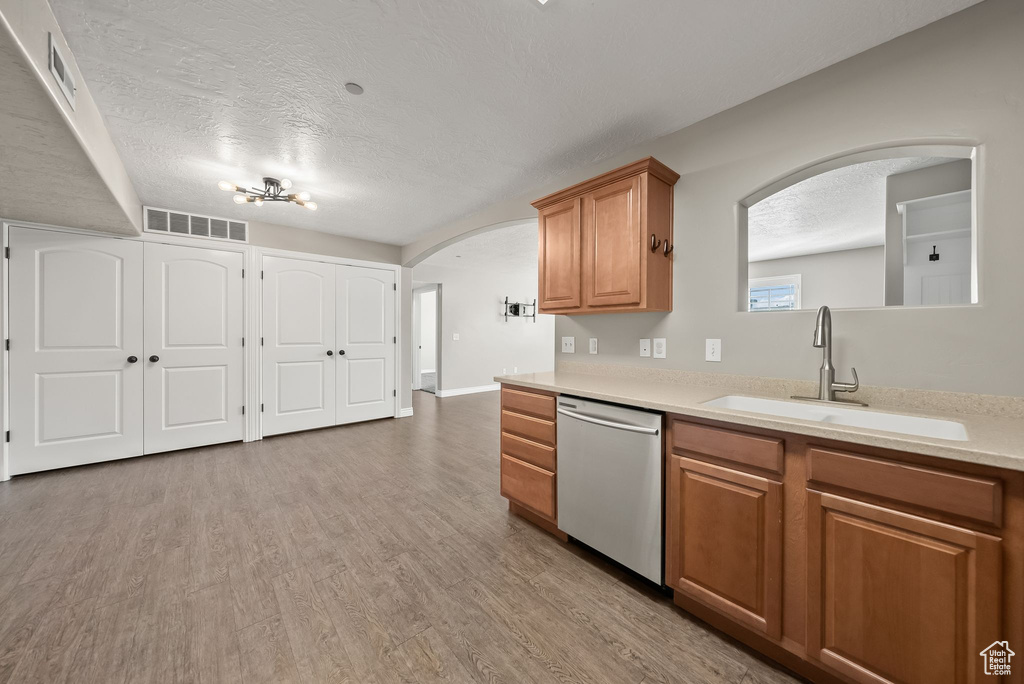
(176,223)
(60,70)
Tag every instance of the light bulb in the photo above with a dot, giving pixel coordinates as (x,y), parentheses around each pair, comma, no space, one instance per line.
(227,187)
(304,196)
(258,201)
(240,199)
(310,205)
(285,183)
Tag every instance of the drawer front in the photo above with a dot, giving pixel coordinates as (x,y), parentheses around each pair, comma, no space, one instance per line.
(540,455)
(533,429)
(736,447)
(528,485)
(530,403)
(966,496)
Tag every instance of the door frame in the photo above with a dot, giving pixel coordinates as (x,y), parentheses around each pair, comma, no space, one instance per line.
(252,313)
(416,332)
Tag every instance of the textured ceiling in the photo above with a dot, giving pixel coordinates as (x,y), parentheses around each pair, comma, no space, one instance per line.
(830,212)
(466,103)
(506,250)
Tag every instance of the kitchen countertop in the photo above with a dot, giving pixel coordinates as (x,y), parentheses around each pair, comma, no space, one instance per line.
(994,441)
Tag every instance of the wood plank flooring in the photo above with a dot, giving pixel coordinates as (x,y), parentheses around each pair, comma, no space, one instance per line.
(378,552)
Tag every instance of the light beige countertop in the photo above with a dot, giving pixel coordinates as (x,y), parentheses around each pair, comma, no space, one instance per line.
(995,440)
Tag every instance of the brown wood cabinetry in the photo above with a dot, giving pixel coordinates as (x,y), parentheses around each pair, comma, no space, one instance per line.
(595,243)
(868,567)
(529,455)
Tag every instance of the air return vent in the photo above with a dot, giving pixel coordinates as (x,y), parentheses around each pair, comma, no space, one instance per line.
(177,223)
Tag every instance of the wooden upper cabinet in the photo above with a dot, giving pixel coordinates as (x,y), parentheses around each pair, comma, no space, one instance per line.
(559,256)
(595,242)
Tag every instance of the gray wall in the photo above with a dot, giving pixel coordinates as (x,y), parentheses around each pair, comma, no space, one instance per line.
(848,279)
(276,236)
(471,300)
(927,182)
(954,81)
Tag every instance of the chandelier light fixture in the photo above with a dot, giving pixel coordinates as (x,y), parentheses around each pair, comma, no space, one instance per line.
(274,190)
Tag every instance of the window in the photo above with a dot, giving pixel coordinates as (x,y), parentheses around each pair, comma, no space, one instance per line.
(777,293)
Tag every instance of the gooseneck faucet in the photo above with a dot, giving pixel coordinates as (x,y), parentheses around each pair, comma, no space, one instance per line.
(827,385)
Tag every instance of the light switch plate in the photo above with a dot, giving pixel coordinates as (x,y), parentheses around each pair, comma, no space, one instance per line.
(455,337)
(593,345)
(659,347)
(568,345)
(712,350)
(645,347)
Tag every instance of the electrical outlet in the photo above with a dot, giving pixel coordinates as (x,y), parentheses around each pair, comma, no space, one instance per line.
(645,347)
(593,345)
(455,337)
(568,345)
(659,347)
(515,369)
(712,350)
(504,371)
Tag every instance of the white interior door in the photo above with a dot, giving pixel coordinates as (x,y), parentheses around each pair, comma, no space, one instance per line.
(299,361)
(366,343)
(76,366)
(194,357)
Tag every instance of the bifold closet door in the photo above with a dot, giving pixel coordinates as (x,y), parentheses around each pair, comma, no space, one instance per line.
(298,345)
(76,359)
(366,344)
(194,356)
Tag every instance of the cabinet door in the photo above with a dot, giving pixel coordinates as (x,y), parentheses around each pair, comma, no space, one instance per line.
(298,345)
(612,240)
(724,542)
(897,598)
(559,256)
(194,388)
(75,322)
(366,344)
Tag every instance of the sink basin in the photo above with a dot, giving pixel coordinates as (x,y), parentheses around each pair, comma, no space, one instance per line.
(840,415)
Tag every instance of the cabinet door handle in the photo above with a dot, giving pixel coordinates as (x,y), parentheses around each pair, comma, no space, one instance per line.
(330,352)
(154,358)
(133,359)
(655,243)
(668,250)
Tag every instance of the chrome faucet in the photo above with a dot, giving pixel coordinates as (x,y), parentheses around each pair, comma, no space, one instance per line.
(827,385)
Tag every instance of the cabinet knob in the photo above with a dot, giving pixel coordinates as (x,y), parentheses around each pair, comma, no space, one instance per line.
(341,352)
(154,358)
(330,352)
(133,359)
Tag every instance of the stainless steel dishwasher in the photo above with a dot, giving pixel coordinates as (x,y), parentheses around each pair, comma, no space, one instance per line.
(609,481)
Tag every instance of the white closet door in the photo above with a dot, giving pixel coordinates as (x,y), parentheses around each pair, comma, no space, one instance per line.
(298,345)
(193,337)
(366,347)
(75,324)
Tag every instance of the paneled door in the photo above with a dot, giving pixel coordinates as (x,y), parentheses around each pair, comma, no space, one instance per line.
(298,345)
(366,344)
(76,367)
(193,357)
(612,238)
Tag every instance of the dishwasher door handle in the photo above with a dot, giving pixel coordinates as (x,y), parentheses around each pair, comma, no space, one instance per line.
(607,423)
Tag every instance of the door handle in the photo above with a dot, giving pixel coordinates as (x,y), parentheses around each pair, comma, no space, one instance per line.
(154,358)
(133,359)
(341,352)
(330,352)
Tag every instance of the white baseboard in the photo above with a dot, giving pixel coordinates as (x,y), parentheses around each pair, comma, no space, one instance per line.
(405,412)
(468,390)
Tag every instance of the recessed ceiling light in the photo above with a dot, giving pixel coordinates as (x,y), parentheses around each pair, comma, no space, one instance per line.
(355,88)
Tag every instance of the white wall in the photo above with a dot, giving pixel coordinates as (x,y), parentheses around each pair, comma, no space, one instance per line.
(848,279)
(471,303)
(428,331)
(956,81)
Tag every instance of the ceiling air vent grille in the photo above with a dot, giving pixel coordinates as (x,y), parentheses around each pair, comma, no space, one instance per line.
(61,72)
(194,225)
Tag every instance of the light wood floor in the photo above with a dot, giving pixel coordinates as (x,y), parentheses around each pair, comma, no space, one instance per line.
(378,552)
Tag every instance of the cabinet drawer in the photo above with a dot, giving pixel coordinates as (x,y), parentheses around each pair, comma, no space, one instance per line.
(530,403)
(534,429)
(540,455)
(736,447)
(528,485)
(966,496)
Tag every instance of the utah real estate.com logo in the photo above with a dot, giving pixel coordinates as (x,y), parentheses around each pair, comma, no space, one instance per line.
(997,658)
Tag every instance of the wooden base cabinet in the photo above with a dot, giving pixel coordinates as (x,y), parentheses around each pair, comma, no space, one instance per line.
(605,245)
(847,564)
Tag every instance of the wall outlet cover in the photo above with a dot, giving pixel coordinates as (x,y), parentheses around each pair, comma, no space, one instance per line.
(593,345)
(455,337)
(645,347)
(659,347)
(568,345)
(712,350)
